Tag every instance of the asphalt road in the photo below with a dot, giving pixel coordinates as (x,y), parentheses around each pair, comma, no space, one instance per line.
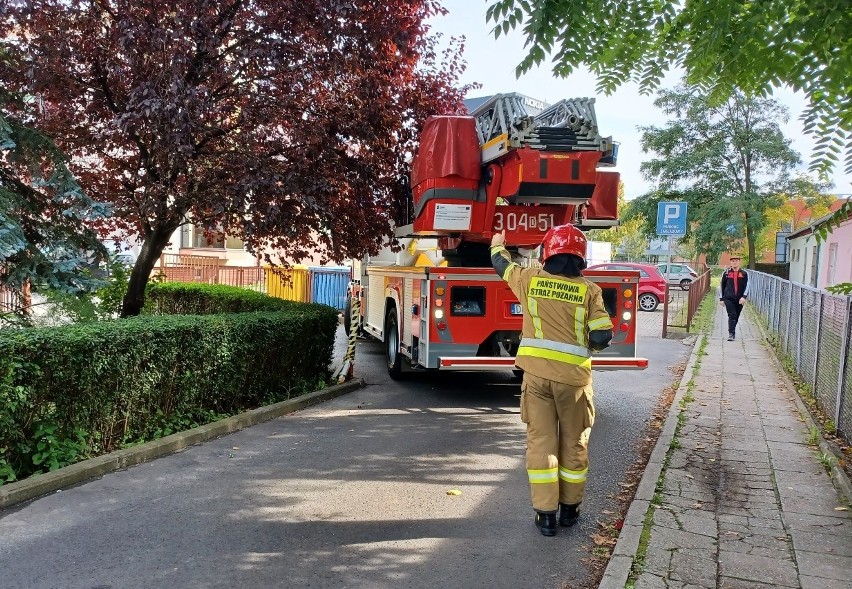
(351,493)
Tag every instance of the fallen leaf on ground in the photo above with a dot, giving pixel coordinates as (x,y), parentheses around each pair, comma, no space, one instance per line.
(454,492)
(841,509)
(601,540)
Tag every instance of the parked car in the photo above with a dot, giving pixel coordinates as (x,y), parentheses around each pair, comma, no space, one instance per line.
(126,259)
(652,285)
(681,274)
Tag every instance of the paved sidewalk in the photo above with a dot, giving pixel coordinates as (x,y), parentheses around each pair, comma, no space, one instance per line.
(745,502)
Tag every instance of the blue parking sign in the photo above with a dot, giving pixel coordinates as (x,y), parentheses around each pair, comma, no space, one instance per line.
(671,218)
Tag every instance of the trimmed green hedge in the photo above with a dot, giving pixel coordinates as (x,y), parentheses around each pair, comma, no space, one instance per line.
(72,392)
(177,298)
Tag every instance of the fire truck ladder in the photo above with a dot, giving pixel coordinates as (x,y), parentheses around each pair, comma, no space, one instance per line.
(503,124)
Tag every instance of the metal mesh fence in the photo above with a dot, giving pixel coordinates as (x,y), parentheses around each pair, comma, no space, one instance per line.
(844,403)
(830,352)
(810,326)
(794,336)
(814,329)
(783,304)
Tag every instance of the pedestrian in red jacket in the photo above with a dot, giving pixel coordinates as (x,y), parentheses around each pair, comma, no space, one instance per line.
(733,293)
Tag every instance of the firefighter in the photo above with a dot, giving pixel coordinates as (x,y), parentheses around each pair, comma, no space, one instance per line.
(733,293)
(564,322)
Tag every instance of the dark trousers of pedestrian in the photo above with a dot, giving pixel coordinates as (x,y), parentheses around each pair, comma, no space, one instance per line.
(734,309)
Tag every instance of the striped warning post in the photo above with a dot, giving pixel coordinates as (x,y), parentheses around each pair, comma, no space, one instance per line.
(347,369)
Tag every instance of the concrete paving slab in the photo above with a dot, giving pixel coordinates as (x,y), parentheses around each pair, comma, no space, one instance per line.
(748,567)
(820,583)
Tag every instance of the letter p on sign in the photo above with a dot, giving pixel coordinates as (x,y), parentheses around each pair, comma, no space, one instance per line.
(670,212)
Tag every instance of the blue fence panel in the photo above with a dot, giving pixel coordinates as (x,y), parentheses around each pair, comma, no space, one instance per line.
(329,285)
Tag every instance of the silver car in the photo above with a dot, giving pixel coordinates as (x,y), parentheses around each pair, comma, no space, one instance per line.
(682,274)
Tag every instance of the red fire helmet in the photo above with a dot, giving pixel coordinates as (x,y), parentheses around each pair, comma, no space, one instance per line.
(563,239)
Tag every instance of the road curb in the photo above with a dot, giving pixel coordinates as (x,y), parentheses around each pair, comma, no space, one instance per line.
(838,475)
(621,562)
(38,485)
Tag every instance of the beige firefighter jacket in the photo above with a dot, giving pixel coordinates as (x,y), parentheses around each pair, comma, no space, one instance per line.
(559,313)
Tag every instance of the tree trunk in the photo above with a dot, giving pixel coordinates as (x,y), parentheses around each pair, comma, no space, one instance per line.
(152,247)
(750,240)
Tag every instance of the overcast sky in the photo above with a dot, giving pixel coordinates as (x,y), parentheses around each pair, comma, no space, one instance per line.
(492,63)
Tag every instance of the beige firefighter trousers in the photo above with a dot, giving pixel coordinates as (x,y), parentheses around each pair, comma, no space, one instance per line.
(559,420)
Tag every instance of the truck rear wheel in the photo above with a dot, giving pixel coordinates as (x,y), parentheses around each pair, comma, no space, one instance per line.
(394,358)
(347,316)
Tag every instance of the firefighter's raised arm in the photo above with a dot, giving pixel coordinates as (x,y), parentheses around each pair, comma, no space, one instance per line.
(501,259)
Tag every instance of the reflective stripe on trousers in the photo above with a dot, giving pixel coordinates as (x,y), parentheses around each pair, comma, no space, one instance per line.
(573,476)
(542,475)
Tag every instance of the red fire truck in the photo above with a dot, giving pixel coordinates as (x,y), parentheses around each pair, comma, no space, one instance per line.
(437,304)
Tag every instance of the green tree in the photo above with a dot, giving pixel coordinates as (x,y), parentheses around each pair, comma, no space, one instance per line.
(726,160)
(726,44)
(45,236)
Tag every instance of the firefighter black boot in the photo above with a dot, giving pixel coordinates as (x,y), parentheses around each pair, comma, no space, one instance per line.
(568,514)
(546,523)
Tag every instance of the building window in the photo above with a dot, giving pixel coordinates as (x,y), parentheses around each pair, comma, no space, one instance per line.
(814,267)
(197,237)
(832,264)
(185,236)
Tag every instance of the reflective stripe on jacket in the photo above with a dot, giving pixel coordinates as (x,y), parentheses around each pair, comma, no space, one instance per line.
(559,312)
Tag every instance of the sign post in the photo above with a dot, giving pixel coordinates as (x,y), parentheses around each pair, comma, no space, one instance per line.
(671,221)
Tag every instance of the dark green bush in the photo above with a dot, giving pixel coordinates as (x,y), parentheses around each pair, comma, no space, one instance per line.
(71,392)
(780,270)
(177,298)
